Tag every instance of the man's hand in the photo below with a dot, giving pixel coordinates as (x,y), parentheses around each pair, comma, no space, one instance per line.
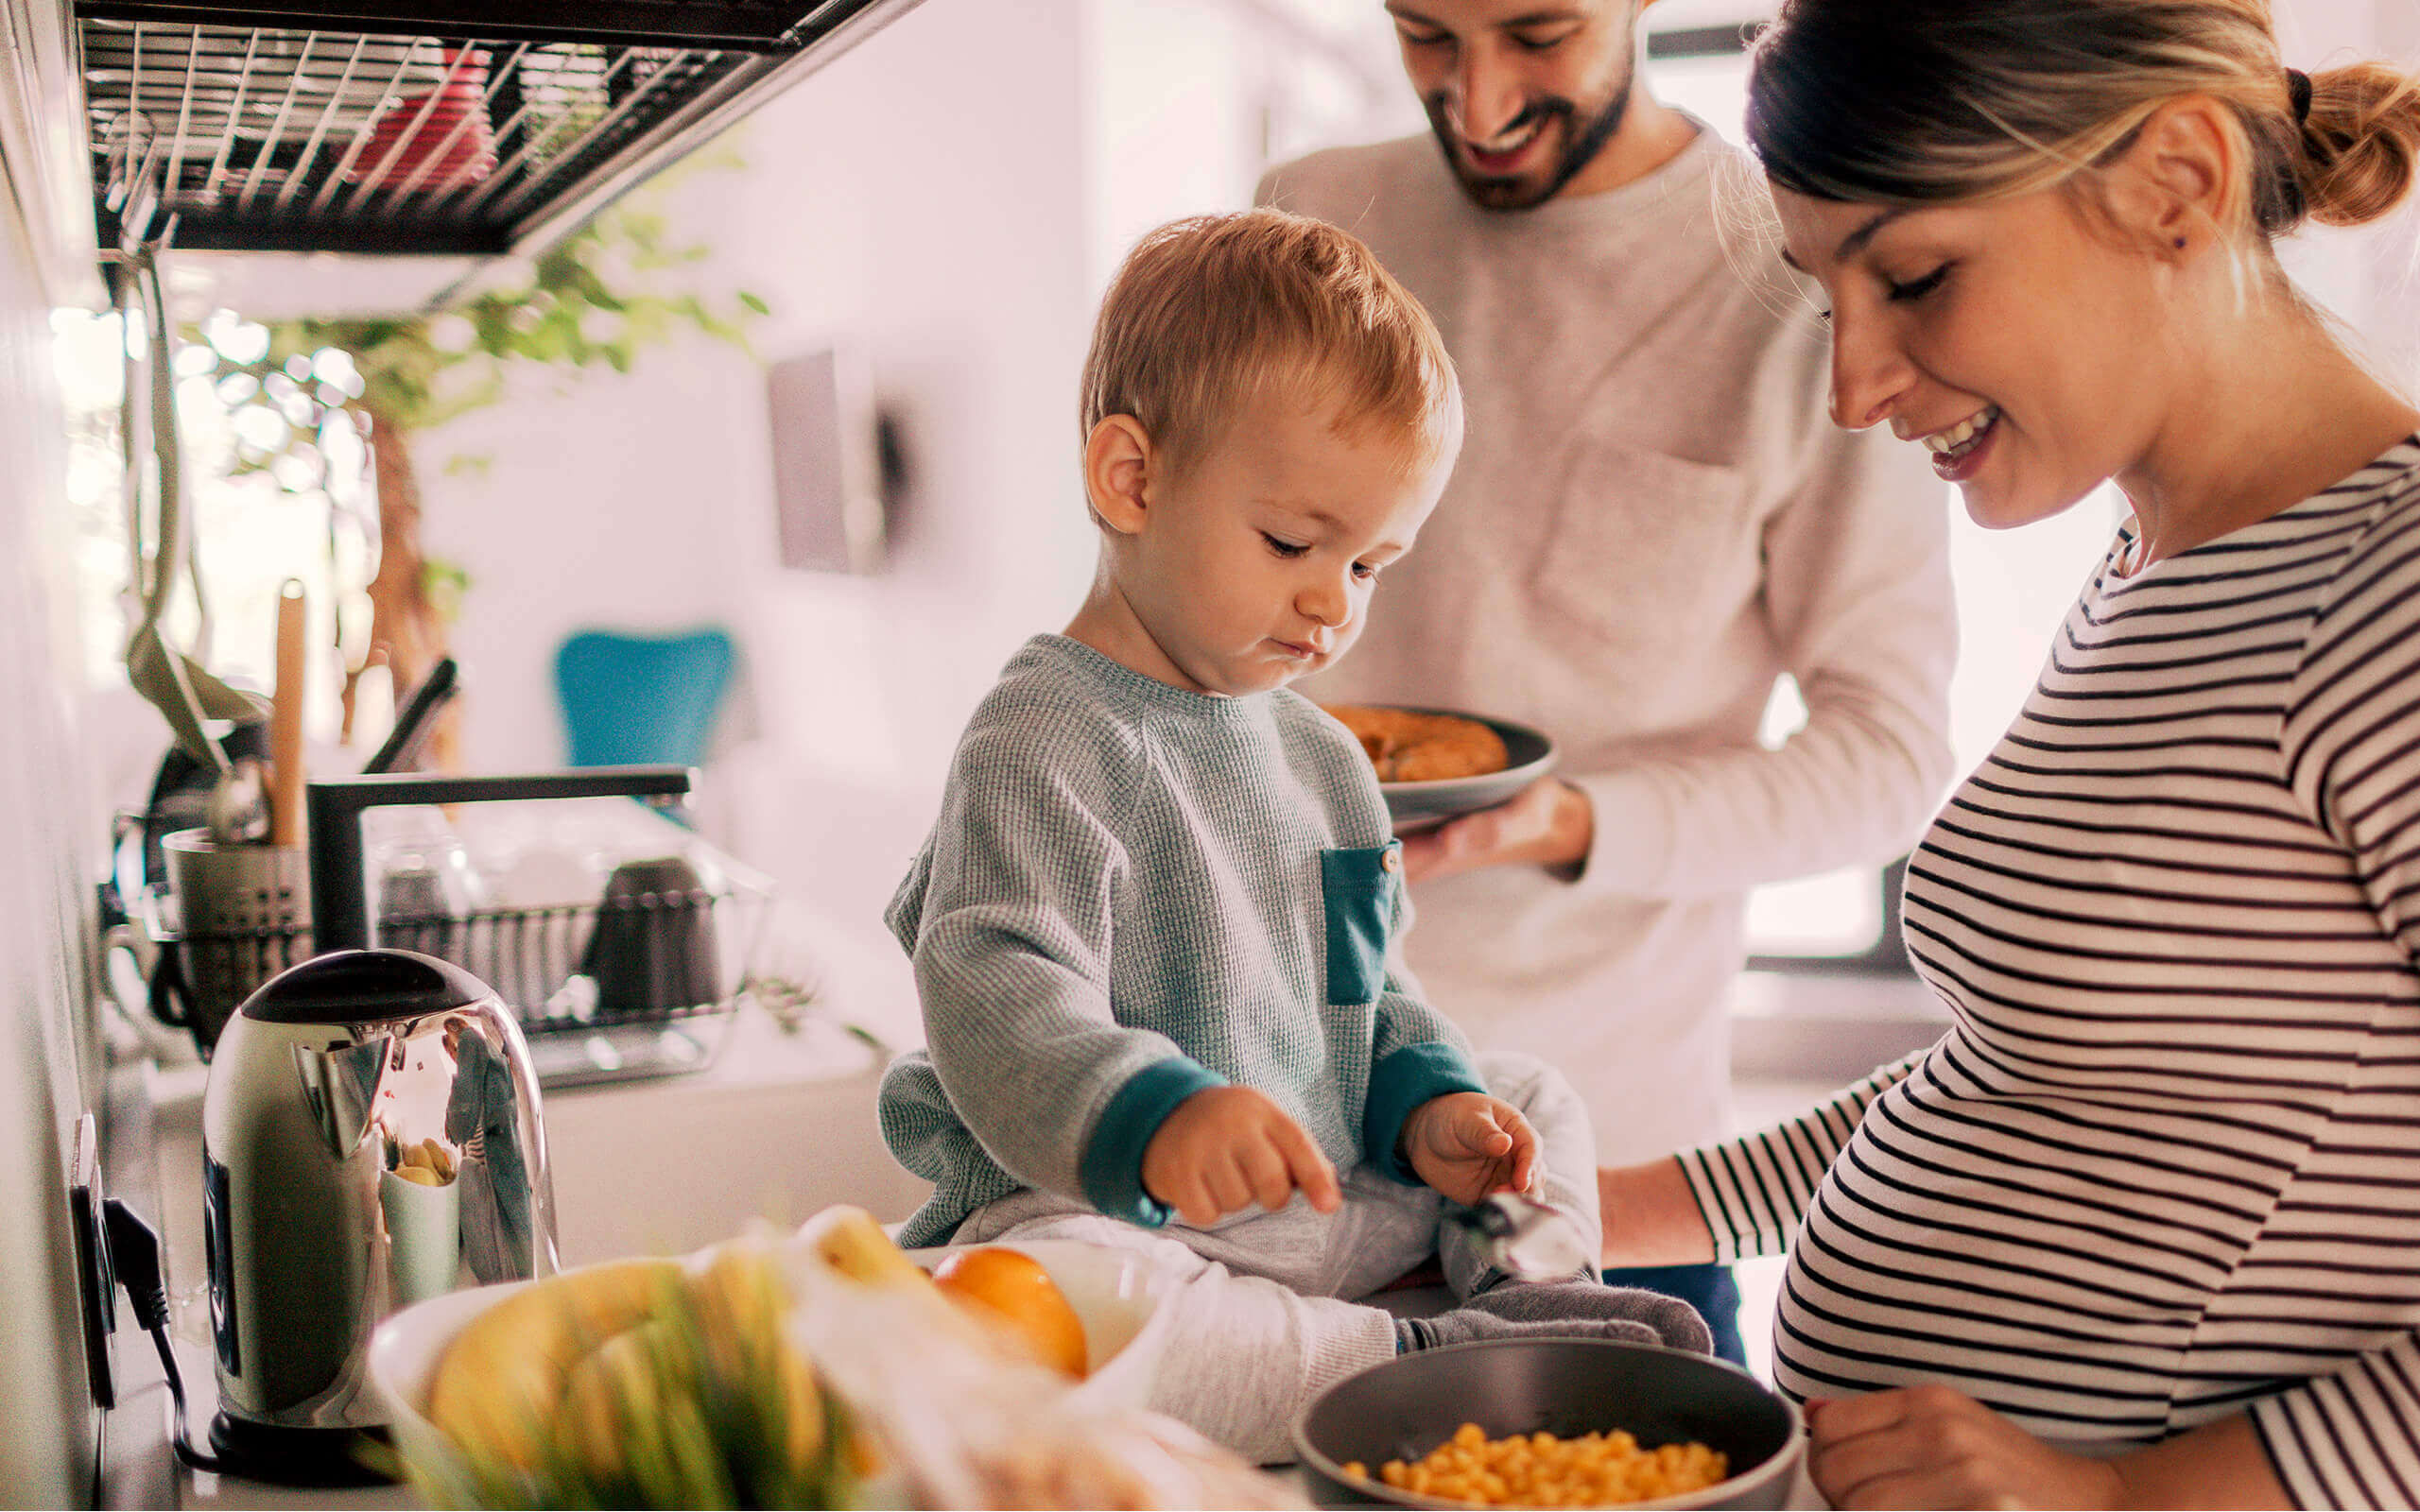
(1548,823)
(1225,1148)
(1467,1144)
(1932,1447)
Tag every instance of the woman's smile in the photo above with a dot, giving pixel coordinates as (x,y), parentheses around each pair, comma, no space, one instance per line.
(1958,450)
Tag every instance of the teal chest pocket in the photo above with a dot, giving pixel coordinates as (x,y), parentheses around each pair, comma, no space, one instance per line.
(1357,887)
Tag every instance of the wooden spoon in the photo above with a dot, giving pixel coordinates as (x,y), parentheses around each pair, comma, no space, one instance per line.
(285,720)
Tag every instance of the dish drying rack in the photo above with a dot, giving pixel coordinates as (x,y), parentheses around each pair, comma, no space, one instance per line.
(640,981)
(678,963)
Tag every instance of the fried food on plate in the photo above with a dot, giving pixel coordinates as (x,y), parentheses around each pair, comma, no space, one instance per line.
(1407,746)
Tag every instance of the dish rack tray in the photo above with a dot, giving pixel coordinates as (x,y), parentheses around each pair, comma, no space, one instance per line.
(633,958)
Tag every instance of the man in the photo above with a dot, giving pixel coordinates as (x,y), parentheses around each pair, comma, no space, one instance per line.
(1652,520)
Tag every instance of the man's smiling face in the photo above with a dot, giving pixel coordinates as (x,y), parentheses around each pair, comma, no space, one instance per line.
(1523,94)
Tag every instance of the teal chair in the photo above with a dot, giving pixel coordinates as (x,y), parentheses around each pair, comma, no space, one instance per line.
(638,699)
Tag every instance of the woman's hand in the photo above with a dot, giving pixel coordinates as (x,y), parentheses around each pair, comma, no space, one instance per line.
(1548,823)
(1225,1148)
(1467,1144)
(1931,1447)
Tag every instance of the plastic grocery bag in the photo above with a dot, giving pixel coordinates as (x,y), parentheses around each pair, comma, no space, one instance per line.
(959,1418)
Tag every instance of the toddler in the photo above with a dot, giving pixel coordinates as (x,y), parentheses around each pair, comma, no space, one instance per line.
(1155,926)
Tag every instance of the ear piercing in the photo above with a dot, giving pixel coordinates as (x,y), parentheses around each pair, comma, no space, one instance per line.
(2180,244)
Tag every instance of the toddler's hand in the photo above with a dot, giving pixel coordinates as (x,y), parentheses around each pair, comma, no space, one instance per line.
(1225,1148)
(1467,1144)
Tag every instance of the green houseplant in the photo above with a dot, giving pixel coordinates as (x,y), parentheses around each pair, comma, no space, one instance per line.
(598,299)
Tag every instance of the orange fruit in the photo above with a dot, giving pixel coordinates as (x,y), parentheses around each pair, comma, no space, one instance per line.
(1008,1287)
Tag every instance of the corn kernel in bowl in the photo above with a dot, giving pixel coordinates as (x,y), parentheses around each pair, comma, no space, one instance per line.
(1540,1470)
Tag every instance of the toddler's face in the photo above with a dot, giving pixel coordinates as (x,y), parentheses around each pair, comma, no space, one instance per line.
(1256,566)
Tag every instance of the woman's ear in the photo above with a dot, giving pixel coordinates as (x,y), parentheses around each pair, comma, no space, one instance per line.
(2180,184)
(1118,472)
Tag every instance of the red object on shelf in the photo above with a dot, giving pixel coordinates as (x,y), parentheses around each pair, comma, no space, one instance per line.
(436,140)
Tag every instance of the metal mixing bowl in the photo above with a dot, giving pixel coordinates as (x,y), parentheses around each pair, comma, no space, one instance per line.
(1567,1387)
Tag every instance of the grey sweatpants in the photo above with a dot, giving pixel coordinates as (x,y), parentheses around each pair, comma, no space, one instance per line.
(1264,1310)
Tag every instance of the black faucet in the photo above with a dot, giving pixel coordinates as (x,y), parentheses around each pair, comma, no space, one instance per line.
(340,895)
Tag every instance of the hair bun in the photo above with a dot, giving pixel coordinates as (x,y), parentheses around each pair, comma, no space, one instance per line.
(2361,143)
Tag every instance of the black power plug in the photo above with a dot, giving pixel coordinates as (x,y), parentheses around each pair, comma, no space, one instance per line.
(134,1249)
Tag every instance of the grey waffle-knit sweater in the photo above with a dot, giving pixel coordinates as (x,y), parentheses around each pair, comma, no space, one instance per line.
(1134,892)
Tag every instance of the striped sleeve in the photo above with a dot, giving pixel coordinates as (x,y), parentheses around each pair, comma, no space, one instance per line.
(2346,1439)
(2352,748)
(2352,730)
(1754,1190)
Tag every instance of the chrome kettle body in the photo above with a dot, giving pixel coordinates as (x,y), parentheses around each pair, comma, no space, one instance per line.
(370,1137)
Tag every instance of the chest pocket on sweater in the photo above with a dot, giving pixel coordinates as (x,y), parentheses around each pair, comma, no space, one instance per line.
(1357,887)
(1646,551)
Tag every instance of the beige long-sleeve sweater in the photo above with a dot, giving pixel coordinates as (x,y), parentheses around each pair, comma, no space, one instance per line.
(1651,518)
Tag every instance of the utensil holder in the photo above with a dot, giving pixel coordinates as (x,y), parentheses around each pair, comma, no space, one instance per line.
(243,915)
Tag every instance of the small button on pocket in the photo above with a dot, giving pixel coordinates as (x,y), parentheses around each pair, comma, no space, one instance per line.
(1357,887)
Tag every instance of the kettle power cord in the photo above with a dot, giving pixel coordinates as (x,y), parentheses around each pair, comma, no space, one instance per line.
(134,1250)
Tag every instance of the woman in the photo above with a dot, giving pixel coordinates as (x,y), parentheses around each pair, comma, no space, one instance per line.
(2145,1227)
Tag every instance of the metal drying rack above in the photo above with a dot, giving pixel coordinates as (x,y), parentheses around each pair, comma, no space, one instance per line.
(433,127)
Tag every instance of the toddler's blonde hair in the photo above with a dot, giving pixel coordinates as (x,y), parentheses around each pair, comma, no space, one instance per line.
(1210,312)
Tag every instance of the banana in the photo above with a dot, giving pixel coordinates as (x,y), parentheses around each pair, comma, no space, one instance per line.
(743,1305)
(609,1393)
(848,1240)
(663,1380)
(498,1385)
(425,1162)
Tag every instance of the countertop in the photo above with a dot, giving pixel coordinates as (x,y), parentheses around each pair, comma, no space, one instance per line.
(779,1125)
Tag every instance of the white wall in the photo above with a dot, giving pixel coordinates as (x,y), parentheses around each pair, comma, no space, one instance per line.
(50,836)
(2394,268)
(2369,276)
(1167,141)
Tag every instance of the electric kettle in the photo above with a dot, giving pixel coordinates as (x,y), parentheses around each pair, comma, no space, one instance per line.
(370,1137)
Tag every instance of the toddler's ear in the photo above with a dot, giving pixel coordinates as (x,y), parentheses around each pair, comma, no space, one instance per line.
(1117,470)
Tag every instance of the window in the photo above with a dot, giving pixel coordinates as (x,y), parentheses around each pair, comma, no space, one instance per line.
(265,504)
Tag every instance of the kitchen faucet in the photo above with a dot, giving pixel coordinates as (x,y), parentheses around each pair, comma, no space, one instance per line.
(340,895)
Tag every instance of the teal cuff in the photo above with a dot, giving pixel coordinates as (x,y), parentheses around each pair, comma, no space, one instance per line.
(1111,1171)
(1401,1083)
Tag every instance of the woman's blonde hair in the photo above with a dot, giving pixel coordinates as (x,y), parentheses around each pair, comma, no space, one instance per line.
(1210,311)
(1917,102)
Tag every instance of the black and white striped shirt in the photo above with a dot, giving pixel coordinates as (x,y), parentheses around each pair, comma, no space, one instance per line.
(2166,1166)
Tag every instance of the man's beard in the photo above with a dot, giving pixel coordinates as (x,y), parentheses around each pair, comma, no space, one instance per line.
(1579,148)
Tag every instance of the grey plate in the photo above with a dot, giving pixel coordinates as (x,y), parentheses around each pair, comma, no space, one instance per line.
(1416,805)
(1567,1387)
